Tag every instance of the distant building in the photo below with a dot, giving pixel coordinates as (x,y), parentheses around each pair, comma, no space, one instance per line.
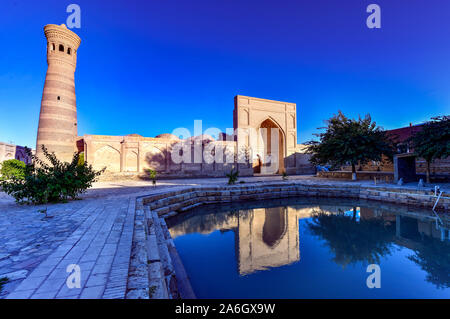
(10,151)
(405,150)
(401,136)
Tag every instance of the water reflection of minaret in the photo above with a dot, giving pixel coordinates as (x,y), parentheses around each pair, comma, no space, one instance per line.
(265,238)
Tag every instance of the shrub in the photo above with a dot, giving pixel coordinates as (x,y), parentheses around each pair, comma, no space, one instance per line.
(81,159)
(51,180)
(152,174)
(232,177)
(12,169)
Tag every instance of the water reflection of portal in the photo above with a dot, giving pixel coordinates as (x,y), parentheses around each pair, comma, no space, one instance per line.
(266,238)
(275,225)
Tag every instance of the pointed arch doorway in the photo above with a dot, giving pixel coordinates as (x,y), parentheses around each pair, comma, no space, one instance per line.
(271,144)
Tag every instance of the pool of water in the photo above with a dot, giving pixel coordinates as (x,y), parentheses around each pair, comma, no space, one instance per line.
(321,248)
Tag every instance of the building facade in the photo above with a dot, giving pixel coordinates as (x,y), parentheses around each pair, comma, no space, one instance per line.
(267,128)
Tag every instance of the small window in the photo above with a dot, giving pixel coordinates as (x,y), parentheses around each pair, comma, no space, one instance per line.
(69,51)
(59,98)
(61,48)
(53,47)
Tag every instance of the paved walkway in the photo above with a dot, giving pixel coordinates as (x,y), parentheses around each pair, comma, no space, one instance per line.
(94,233)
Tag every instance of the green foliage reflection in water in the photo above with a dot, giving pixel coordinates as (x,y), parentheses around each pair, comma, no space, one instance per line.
(352,241)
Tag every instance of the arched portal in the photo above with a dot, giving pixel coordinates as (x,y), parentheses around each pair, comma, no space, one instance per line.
(271,149)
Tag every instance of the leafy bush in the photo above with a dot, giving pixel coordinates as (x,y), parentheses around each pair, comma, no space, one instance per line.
(81,159)
(12,169)
(51,180)
(152,174)
(232,177)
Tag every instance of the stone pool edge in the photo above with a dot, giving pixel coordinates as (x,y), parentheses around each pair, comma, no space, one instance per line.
(156,270)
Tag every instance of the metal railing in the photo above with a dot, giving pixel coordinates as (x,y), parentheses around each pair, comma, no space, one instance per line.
(438,218)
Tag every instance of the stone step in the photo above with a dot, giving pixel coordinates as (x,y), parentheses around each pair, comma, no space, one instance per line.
(176,206)
(172,204)
(183,285)
(166,260)
(193,199)
(156,278)
(171,199)
(169,214)
(160,200)
(183,209)
(162,195)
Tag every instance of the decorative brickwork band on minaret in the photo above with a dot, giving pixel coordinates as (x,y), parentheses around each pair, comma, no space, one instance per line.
(58,118)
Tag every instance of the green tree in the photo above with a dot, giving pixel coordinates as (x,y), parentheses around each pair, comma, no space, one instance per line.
(433,141)
(350,141)
(12,168)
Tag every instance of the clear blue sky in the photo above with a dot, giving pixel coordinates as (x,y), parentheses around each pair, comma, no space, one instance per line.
(148,67)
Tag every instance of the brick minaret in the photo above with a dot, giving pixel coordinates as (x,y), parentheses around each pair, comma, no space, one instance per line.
(58,118)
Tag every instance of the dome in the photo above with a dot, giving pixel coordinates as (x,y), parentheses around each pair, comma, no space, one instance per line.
(202,137)
(167,136)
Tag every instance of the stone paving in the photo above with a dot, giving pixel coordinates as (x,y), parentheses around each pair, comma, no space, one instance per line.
(95,233)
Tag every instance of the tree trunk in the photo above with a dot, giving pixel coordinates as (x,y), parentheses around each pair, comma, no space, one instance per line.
(428,172)
(353,172)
